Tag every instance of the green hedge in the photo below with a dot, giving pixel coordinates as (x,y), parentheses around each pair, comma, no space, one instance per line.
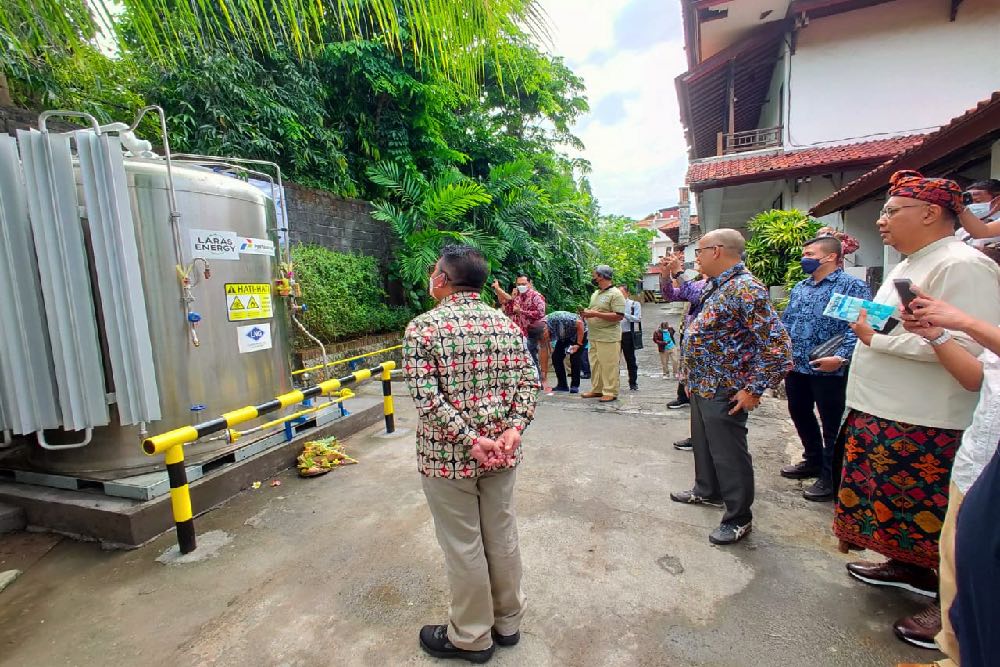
(344,296)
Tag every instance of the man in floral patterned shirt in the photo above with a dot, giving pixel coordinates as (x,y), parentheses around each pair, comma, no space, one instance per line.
(735,348)
(475,387)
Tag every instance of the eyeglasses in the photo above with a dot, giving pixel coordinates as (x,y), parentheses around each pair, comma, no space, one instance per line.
(698,251)
(889,211)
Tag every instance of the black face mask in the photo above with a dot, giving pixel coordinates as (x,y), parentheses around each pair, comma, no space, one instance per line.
(593,281)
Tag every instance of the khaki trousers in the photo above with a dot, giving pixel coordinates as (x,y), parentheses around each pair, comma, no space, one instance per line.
(671,362)
(604,375)
(477,530)
(946,639)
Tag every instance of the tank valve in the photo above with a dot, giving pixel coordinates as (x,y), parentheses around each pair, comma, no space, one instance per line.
(194,317)
(300,307)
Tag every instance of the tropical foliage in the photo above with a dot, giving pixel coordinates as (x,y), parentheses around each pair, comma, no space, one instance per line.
(447,115)
(453,38)
(775,248)
(624,248)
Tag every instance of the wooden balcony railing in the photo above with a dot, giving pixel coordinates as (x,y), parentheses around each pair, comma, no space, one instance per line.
(751,140)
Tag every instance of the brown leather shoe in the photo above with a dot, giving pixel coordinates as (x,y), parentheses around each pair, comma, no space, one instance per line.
(896,573)
(608,399)
(921,628)
(590,394)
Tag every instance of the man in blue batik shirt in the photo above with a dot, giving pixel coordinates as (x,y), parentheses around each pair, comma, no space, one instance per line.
(820,384)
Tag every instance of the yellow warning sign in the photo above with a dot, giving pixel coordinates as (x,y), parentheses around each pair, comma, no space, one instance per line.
(248,301)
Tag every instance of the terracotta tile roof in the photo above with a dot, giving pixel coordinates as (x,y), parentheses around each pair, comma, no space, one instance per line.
(718,172)
(976,123)
(675,224)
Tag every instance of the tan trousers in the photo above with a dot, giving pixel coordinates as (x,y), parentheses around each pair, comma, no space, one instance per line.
(604,374)
(477,530)
(671,362)
(946,639)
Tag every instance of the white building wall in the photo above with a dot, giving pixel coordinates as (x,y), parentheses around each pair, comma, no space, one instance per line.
(891,68)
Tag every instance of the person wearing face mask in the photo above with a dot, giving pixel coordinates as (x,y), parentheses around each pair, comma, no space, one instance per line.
(527,308)
(980,221)
(470,421)
(819,385)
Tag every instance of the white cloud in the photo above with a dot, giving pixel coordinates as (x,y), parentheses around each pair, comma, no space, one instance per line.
(639,157)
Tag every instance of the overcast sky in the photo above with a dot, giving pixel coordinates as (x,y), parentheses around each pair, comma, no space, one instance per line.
(628,53)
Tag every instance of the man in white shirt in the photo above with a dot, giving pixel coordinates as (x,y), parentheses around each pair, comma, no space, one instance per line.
(631,324)
(907,412)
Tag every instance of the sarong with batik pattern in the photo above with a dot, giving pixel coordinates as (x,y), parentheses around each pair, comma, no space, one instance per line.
(894,487)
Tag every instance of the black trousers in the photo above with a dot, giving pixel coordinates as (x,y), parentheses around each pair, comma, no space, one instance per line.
(575,363)
(723,467)
(628,351)
(826,394)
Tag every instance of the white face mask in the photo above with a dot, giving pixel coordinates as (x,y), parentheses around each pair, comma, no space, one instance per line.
(979,210)
(522,288)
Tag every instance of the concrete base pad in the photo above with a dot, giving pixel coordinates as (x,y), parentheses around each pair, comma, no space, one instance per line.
(124,523)
(11,518)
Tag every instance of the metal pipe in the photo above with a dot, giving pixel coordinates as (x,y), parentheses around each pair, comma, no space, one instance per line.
(45,115)
(349,359)
(187,434)
(187,298)
(87,435)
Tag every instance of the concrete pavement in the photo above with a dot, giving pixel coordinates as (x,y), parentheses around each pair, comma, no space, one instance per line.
(344,569)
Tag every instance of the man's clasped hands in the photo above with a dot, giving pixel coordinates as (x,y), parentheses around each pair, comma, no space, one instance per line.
(498,453)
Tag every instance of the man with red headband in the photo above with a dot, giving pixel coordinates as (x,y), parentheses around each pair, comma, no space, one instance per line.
(907,413)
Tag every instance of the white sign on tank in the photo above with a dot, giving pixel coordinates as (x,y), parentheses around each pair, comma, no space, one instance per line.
(209,244)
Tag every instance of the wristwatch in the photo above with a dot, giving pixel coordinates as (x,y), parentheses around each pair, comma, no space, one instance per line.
(942,339)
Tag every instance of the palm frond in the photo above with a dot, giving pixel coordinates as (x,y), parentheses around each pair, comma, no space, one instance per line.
(449,204)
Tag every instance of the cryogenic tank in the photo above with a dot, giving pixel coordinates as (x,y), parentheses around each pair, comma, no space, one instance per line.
(243,356)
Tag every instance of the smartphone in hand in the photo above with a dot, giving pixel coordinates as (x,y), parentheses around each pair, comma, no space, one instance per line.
(904,287)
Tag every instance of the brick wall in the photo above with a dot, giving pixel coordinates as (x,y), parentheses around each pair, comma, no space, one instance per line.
(13,119)
(344,225)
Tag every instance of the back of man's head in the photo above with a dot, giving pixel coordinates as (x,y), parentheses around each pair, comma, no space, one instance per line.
(465,266)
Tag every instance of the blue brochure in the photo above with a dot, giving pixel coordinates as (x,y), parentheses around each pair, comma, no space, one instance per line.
(848,308)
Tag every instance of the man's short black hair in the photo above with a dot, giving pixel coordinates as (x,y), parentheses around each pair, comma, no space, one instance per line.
(465,266)
(827,244)
(990,185)
(523,275)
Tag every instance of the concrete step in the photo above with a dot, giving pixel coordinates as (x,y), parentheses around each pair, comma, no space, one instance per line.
(11,518)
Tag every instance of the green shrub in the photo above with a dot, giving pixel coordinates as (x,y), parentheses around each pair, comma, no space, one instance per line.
(343,295)
(774,250)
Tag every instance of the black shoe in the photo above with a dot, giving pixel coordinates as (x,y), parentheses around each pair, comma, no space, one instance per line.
(434,640)
(692,498)
(585,376)
(574,390)
(560,388)
(800,470)
(821,491)
(684,445)
(634,387)
(677,403)
(730,533)
(506,640)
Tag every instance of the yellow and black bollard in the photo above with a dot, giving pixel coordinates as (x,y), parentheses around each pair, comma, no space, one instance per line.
(171,444)
(180,499)
(387,407)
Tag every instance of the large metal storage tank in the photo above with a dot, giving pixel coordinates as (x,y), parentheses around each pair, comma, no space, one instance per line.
(195,383)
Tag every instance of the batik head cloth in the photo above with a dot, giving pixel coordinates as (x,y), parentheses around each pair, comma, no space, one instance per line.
(938,191)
